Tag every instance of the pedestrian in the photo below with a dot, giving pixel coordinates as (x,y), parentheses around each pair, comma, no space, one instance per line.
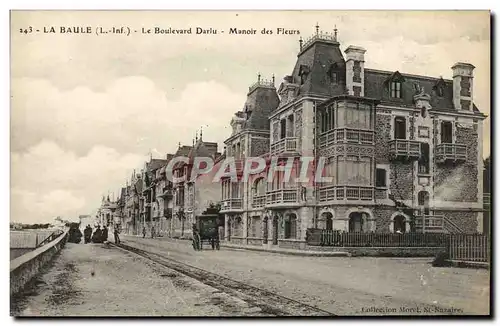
(143,231)
(97,236)
(87,233)
(104,234)
(117,237)
(152,232)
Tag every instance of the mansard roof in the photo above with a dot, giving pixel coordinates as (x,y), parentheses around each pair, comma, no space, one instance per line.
(377,86)
(311,71)
(258,107)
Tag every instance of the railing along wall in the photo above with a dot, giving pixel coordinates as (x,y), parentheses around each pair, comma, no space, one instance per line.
(359,239)
(469,247)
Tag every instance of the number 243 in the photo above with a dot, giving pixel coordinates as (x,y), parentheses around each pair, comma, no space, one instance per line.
(26,30)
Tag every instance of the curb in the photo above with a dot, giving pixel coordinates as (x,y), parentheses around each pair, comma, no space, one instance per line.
(292,253)
(467,264)
(274,251)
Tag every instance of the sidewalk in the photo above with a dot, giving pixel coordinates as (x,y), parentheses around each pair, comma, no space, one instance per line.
(102,280)
(283,251)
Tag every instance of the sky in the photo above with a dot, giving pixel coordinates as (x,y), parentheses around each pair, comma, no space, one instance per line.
(86,110)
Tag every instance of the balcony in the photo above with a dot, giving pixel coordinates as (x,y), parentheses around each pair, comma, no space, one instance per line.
(167,193)
(259,201)
(346,135)
(346,193)
(231,205)
(403,148)
(429,223)
(288,145)
(451,153)
(282,198)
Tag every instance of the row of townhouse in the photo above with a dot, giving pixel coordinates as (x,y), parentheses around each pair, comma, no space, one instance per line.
(152,201)
(404,153)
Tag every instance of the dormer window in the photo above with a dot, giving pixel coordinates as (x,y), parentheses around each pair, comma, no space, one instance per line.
(333,74)
(396,89)
(439,88)
(394,85)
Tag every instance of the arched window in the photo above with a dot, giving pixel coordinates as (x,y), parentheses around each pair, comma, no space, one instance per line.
(399,224)
(355,222)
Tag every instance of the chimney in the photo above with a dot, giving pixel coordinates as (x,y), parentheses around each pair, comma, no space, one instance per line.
(355,70)
(462,86)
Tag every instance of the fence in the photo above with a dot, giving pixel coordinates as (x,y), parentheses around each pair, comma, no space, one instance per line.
(321,237)
(469,247)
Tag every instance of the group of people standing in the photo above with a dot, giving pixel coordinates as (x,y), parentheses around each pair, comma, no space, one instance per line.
(97,236)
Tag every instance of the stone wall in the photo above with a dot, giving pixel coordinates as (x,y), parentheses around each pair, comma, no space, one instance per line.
(459,182)
(382,137)
(383,219)
(258,146)
(291,244)
(25,267)
(401,184)
(465,220)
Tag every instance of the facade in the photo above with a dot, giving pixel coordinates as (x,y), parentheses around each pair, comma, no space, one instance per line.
(192,196)
(106,213)
(404,152)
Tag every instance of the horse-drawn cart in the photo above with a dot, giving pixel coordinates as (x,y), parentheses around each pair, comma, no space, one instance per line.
(206,230)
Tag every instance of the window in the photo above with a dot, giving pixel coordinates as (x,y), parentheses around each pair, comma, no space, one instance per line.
(357,72)
(446,132)
(399,128)
(357,116)
(396,89)
(255,226)
(423,162)
(333,74)
(290,128)
(440,91)
(354,170)
(356,90)
(290,226)
(283,128)
(381,180)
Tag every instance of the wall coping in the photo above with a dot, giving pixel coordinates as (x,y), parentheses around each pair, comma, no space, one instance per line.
(21,260)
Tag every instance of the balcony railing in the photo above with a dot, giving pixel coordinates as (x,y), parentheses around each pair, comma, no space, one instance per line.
(346,193)
(232,204)
(285,145)
(451,152)
(403,148)
(167,192)
(346,135)
(429,223)
(258,201)
(282,196)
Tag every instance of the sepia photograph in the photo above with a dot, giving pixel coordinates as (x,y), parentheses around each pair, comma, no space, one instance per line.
(286,163)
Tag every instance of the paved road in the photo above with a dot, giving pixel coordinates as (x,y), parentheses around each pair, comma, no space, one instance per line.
(343,285)
(101,280)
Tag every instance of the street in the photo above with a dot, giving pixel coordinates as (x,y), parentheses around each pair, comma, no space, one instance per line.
(122,283)
(342,285)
